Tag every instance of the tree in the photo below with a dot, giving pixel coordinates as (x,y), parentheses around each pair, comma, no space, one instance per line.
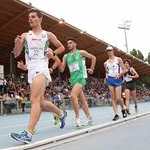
(140,55)
(145,80)
(148,58)
(134,52)
(137,54)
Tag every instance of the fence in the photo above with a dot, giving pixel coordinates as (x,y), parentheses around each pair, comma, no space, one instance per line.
(12,105)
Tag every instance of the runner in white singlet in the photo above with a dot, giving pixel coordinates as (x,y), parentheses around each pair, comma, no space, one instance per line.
(36,54)
(115,69)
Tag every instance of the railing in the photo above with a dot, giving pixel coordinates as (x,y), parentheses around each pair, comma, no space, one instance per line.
(6,105)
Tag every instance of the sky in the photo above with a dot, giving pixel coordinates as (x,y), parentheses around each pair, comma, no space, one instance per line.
(102,18)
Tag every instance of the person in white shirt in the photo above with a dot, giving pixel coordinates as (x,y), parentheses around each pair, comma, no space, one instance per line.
(37,54)
(115,69)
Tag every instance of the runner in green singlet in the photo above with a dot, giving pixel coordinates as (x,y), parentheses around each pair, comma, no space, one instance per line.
(75,61)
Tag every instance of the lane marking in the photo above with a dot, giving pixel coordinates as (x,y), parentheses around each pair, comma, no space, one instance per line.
(74,134)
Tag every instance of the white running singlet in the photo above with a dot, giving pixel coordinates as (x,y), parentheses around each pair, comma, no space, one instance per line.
(35,50)
(113,68)
(35,55)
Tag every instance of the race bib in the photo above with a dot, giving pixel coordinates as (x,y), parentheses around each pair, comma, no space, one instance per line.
(74,67)
(33,54)
(128,78)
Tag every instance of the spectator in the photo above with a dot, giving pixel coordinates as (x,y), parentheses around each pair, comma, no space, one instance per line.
(23,100)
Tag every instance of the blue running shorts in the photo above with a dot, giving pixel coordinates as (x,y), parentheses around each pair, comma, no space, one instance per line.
(111,81)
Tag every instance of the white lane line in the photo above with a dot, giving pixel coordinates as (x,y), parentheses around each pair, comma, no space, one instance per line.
(22,124)
(75,133)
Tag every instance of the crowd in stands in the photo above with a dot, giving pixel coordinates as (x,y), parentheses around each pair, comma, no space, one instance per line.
(95,89)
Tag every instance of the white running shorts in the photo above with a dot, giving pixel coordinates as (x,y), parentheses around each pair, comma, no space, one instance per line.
(35,72)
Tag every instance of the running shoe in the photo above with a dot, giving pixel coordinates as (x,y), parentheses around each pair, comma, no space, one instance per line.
(34,131)
(136,109)
(128,112)
(124,113)
(116,117)
(23,137)
(78,123)
(56,120)
(63,119)
(88,122)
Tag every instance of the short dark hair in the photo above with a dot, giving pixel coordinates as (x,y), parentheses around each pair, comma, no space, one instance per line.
(128,61)
(39,14)
(71,38)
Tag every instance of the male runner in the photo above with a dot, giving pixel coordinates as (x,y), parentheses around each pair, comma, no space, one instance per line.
(75,60)
(36,43)
(115,69)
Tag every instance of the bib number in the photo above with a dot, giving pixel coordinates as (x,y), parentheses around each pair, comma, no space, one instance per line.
(128,78)
(74,67)
(33,54)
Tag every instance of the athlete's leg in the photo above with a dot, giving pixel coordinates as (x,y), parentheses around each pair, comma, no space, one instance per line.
(74,97)
(59,115)
(37,92)
(133,95)
(118,91)
(37,89)
(48,106)
(127,96)
(84,104)
(113,98)
(118,94)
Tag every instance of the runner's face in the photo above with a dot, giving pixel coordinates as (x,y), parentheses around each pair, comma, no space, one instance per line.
(127,64)
(34,20)
(110,53)
(71,45)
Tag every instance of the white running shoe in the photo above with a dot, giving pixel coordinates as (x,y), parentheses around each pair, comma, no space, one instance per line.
(78,123)
(88,122)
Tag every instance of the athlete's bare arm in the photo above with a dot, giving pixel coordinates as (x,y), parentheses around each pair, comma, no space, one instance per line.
(106,73)
(59,47)
(21,65)
(63,64)
(90,56)
(124,69)
(55,64)
(135,74)
(19,44)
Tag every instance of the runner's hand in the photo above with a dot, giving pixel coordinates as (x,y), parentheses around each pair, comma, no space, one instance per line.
(90,71)
(49,53)
(50,70)
(117,76)
(21,65)
(105,80)
(17,39)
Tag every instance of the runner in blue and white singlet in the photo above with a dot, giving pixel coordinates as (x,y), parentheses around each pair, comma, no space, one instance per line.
(113,68)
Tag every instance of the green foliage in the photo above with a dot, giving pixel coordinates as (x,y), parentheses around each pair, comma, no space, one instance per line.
(145,80)
(148,58)
(137,54)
